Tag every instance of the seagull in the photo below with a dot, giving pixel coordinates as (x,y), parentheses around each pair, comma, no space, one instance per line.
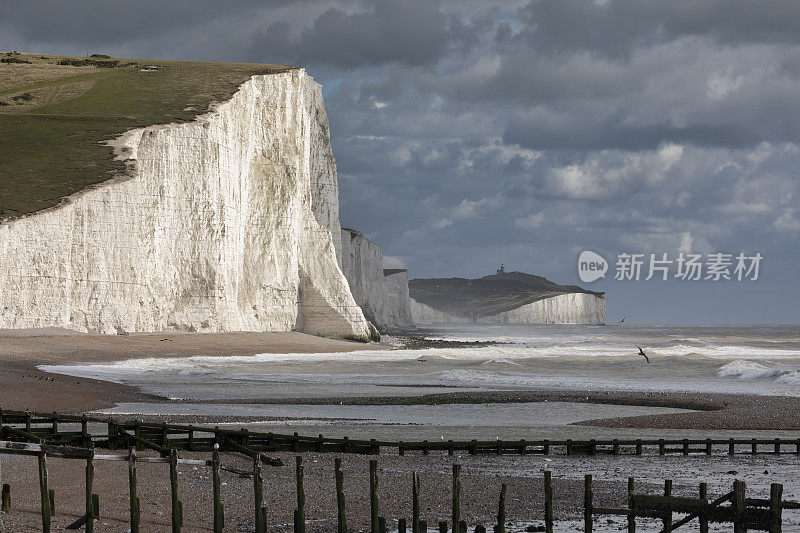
(641,352)
(621,321)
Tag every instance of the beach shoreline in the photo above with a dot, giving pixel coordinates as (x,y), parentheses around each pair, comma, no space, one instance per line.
(25,387)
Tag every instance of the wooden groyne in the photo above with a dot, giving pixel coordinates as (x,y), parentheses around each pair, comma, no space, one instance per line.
(110,433)
(734,507)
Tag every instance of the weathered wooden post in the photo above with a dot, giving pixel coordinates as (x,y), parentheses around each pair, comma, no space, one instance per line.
(401,525)
(51,495)
(91,512)
(480,529)
(5,505)
(632,515)
(84,431)
(219,516)
(423,526)
(45,497)
(501,511)
(703,518)
(731,446)
(258,495)
(133,498)
(739,502)
(587,503)
(775,507)
(668,513)
(415,528)
(548,502)
(340,503)
(638,446)
(442,526)
(381,524)
(177,514)
(456,516)
(373,495)
(300,515)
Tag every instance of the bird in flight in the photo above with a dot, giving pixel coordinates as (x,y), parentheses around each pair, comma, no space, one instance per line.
(621,321)
(641,352)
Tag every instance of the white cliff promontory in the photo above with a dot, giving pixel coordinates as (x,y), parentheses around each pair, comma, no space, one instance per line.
(382,295)
(227,223)
(572,308)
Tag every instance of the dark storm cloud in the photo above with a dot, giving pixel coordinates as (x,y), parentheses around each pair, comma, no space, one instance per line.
(619,27)
(100,21)
(411,32)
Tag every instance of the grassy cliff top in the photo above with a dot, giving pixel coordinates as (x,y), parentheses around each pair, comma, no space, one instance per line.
(488,295)
(55,111)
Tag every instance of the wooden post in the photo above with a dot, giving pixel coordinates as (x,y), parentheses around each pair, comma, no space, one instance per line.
(5,505)
(133,498)
(668,514)
(340,504)
(703,518)
(51,495)
(373,495)
(177,519)
(685,446)
(731,446)
(777,446)
(548,502)
(96,505)
(45,497)
(753,447)
(632,516)
(91,512)
(480,529)
(423,526)
(401,525)
(456,515)
(381,524)
(501,510)
(300,522)
(775,507)
(739,524)
(84,431)
(442,526)
(709,447)
(661,447)
(638,446)
(615,447)
(258,495)
(587,503)
(415,503)
(219,516)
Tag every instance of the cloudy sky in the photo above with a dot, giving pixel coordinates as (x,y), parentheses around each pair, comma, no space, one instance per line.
(471,133)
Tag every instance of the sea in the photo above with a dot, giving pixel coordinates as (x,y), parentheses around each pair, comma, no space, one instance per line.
(263,389)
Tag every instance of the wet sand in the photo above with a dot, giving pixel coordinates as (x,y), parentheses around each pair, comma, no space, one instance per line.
(23,386)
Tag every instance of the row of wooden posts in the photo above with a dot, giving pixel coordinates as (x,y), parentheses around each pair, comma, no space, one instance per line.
(744,513)
(33,427)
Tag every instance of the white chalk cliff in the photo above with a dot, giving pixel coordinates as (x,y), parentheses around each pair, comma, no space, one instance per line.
(383,298)
(227,223)
(572,308)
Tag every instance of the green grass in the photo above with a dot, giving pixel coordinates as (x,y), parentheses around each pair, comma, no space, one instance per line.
(486,296)
(58,115)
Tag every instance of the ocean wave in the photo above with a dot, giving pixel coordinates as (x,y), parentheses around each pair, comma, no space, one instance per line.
(754,370)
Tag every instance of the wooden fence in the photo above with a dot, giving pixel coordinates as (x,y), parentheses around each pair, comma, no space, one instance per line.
(742,512)
(68,430)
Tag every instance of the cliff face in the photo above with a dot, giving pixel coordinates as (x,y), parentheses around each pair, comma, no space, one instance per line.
(384,299)
(397,306)
(574,308)
(226,223)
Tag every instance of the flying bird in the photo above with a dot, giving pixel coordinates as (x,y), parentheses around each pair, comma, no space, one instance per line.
(641,352)
(621,321)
